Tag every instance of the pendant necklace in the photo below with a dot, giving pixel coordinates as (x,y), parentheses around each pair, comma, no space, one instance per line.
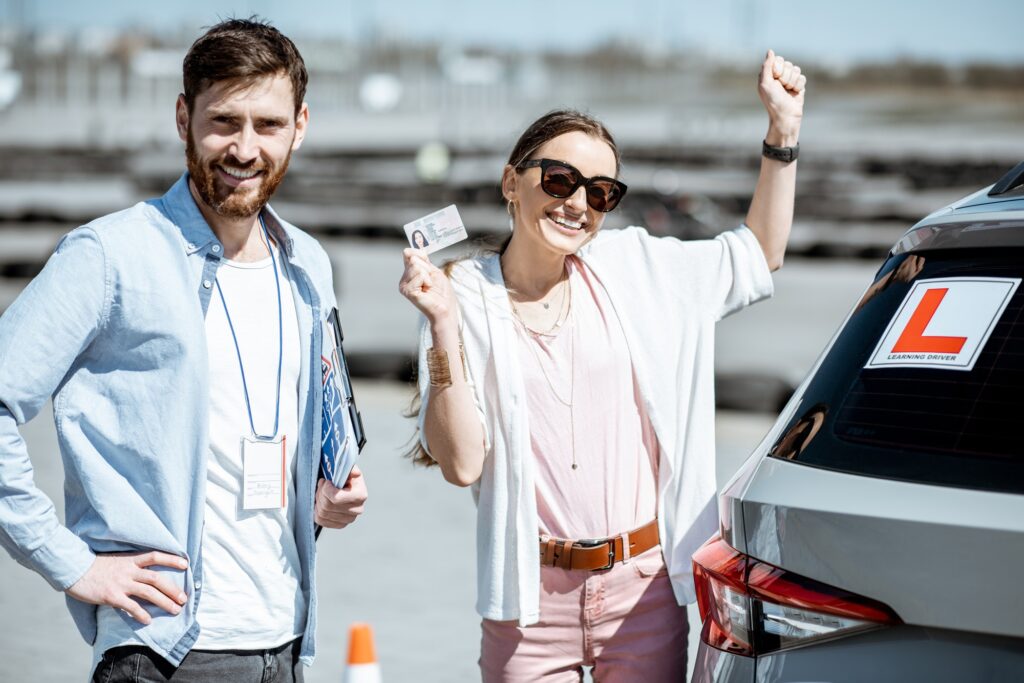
(563,312)
(547,304)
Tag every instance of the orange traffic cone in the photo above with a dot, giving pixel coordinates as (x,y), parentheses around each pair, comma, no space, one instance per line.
(362,659)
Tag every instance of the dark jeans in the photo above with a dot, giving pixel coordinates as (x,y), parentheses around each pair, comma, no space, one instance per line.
(138,664)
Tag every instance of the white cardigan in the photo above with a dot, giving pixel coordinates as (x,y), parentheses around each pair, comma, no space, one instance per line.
(667,295)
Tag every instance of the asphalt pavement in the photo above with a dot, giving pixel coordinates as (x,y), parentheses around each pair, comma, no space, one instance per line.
(407,567)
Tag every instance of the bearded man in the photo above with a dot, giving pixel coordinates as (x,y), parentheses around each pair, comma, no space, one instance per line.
(181,342)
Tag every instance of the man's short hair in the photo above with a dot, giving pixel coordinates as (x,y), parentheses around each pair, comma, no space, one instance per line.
(242,50)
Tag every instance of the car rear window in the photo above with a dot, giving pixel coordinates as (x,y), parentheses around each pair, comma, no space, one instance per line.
(937,425)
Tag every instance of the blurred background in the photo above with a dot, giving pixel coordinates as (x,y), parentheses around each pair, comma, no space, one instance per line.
(415,106)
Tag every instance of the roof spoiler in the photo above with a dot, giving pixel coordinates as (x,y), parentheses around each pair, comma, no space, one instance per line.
(1015,178)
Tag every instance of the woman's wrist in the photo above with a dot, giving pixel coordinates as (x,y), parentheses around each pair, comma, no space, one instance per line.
(445,332)
(783,134)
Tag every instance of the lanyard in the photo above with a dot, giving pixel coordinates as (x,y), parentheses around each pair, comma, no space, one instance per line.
(280,344)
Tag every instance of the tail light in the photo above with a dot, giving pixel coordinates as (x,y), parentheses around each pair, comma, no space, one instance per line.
(750,608)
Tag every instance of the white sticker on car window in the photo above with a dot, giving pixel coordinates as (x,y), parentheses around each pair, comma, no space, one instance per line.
(944,323)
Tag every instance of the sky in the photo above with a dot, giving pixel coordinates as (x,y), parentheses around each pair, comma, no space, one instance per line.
(951,31)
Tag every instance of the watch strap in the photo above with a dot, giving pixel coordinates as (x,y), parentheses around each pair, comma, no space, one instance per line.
(783,154)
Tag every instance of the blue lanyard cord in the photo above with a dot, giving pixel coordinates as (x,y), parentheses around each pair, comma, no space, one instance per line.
(280,344)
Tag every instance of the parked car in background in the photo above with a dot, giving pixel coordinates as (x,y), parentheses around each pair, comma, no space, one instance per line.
(877,533)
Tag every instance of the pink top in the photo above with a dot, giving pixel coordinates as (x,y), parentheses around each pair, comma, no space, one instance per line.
(614,488)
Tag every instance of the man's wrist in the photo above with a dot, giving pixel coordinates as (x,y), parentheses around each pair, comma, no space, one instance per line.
(63,559)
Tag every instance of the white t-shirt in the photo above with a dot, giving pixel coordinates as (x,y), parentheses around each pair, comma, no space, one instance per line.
(251,595)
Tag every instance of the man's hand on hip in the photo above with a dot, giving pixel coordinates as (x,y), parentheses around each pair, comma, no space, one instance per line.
(118,580)
(337,508)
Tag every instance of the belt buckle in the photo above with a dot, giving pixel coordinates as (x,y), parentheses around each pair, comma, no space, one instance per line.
(593,543)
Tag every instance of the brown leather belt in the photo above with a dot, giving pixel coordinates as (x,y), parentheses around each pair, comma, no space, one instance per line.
(598,553)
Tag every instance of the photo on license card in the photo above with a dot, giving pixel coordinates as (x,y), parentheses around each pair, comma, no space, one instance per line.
(437,230)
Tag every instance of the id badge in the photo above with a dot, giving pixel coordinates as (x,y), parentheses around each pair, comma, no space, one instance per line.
(263,473)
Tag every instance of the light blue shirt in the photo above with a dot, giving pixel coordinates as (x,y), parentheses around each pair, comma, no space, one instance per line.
(113,329)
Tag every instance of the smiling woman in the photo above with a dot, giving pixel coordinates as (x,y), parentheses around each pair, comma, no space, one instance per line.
(569,377)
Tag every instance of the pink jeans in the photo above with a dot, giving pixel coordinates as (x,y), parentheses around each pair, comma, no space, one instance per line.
(622,621)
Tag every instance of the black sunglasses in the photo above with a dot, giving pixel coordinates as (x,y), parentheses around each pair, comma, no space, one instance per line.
(561,180)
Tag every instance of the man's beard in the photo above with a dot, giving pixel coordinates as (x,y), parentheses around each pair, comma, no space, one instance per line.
(227,201)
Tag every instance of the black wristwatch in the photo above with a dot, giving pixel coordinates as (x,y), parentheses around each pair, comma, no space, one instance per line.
(783,154)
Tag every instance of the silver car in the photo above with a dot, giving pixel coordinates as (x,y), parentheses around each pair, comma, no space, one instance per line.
(877,533)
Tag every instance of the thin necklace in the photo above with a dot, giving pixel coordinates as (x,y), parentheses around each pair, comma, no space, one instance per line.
(572,374)
(547,304)
(563,312)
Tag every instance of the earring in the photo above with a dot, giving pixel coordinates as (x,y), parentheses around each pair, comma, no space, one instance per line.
(511,216)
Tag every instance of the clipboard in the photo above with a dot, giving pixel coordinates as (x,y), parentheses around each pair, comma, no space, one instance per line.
(342,436)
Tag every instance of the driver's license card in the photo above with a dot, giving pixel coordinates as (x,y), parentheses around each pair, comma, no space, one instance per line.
(437,230)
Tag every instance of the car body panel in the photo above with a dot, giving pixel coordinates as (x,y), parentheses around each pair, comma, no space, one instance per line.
(717,666)
(892,655)
(937,555)
(898,655)
(1011,201)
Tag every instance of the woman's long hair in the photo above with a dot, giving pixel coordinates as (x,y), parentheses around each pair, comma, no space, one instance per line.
(546,128)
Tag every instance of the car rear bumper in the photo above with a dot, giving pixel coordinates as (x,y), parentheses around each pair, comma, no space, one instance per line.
(716,666)
(890,655)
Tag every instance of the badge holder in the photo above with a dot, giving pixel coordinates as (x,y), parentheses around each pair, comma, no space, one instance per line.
(263,473)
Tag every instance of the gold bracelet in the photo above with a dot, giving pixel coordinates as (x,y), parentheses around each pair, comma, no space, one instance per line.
(440,370)
(437,364)
(462,357)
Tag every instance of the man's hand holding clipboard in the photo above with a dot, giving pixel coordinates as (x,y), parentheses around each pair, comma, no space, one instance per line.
(341,490)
